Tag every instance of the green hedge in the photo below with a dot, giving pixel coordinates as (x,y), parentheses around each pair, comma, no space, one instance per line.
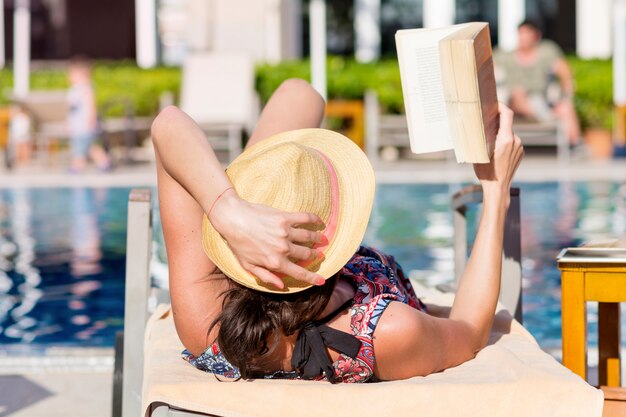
(347,79)
(594,92)
(115,82)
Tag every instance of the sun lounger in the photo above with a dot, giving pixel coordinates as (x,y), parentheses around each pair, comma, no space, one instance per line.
(387,135)
(511,377)
(49,111)
(217,91)
(549,133)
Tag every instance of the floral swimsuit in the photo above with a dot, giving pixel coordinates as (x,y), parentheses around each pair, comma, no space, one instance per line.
(378,281)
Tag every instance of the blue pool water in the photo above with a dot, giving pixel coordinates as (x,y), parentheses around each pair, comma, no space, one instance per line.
(62,253)
(414,223)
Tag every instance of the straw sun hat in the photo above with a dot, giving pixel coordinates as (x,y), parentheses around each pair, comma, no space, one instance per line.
(308,170)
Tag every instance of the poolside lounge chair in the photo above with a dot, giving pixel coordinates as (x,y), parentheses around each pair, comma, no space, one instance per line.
(217,91)
(550,133)
(49,110)
(511,377)
(387,134)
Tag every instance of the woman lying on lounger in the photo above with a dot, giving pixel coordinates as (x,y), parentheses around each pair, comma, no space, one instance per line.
(267,278)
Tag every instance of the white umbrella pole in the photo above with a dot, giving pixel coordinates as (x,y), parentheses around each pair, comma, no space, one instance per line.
(367,30)
(510,14)
(146,33)
(438,13)
(317,42)
(21,48)
(619,69)
(2,37)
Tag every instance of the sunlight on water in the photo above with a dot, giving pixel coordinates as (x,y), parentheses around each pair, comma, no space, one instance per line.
(414,223)
(62,253)
(61,266)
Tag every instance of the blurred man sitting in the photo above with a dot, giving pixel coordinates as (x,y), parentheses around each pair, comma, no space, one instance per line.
(537,82)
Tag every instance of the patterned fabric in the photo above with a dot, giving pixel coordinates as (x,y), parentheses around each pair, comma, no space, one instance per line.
(212,360)
(378,280)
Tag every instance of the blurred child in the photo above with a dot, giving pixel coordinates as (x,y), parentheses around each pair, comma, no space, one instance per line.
(20,134)
(82,119)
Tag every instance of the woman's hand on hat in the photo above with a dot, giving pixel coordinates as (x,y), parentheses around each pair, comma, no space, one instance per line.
(266,241)
(497,175)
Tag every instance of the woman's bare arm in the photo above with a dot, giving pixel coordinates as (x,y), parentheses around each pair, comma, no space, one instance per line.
(408,342)
(193,292)
(479,285)
(190,178)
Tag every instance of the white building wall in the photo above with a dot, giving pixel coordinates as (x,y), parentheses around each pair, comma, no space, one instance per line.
(199,24)
(594,28)
(257,27)
(272,30)
(239,27)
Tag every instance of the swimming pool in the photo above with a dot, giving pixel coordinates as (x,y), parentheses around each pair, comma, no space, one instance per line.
(414,223)
(62,253)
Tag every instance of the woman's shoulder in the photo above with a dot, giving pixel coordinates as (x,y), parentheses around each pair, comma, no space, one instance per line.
(400,341)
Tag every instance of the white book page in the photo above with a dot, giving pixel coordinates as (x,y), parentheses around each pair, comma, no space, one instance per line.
(424,102)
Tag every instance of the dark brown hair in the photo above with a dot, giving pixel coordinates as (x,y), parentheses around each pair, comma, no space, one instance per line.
(252,322)
(80,62)
(532,24)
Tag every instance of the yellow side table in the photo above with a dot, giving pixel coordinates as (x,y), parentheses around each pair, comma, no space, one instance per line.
(592,274)
(353,111)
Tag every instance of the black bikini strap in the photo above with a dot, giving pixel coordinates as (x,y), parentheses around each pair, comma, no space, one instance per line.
(310,358)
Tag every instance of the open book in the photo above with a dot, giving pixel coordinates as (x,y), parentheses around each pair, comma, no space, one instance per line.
(449,90)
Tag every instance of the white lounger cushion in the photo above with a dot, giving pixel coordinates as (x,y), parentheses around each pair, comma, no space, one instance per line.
(510,377)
